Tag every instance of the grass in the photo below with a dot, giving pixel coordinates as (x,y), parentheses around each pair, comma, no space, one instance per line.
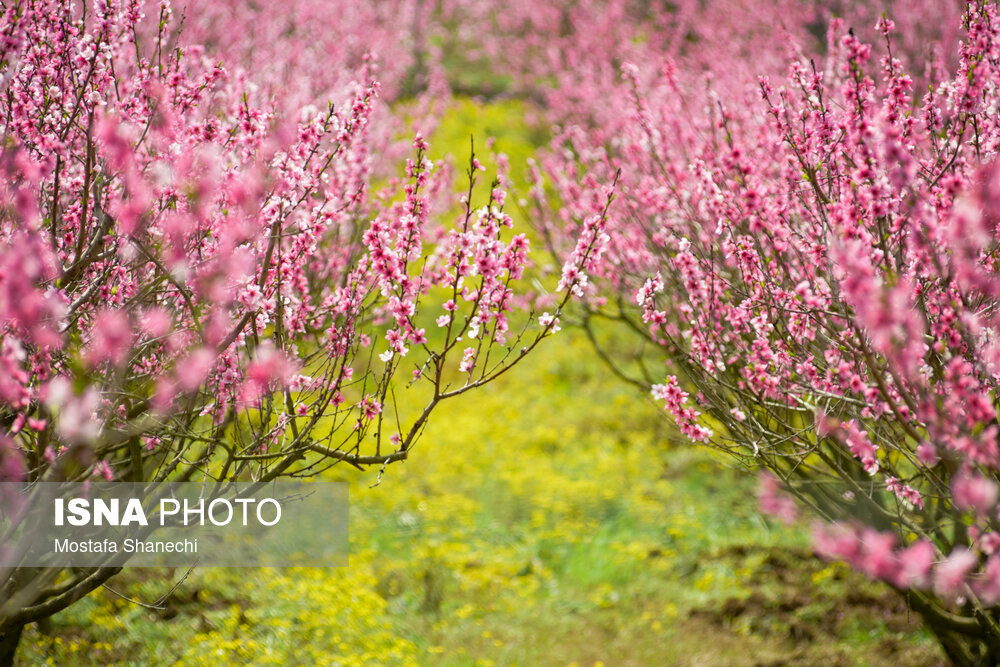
(542,523)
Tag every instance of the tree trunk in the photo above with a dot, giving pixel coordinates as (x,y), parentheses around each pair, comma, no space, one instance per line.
(955,648)
(9,639)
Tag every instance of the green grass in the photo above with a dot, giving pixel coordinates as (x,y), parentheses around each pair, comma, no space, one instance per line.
(543,522)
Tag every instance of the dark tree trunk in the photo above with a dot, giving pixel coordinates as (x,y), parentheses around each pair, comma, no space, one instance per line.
(9,639)
(955,648)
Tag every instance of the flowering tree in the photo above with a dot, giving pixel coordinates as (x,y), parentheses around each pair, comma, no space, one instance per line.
(199,276)
(195,279)
(819,269)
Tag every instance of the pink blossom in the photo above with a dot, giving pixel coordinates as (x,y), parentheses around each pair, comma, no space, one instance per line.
(112,338)
(915,562)
(949,575)
(976,493)
(878,557)
(772,500)
(987,585)
(468,360)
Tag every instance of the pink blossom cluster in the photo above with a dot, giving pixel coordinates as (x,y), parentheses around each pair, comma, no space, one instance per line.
(196,268)
(809,239)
